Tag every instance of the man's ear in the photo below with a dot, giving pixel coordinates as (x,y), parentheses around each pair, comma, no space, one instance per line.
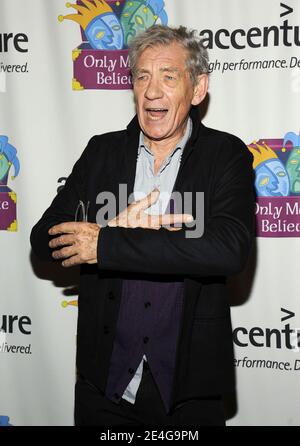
(200,89)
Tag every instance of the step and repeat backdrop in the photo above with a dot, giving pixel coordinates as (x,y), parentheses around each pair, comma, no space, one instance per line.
(58,88)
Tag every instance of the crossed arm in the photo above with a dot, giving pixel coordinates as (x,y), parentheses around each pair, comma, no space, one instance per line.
(126,245)
(76,242)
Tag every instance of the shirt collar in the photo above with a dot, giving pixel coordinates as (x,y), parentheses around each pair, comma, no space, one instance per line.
(180,146)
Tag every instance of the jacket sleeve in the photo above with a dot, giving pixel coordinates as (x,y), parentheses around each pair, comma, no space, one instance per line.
(62,208)
(223,248)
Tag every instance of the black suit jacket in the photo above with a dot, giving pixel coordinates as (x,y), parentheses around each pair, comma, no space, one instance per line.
(213,162)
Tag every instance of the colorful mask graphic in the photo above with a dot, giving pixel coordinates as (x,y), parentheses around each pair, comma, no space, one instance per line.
(293,162)
(8,157)
(138,15)
(101,26)
(271,176)
(105,32)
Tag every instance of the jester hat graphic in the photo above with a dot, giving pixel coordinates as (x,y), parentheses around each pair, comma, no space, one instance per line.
(100,24)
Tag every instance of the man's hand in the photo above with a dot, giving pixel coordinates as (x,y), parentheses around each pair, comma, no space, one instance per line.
(77,242)
(134,216)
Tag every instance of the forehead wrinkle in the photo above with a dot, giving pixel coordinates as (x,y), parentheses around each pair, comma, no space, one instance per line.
(161,70)
(157,60)
(170,69)
(142,70)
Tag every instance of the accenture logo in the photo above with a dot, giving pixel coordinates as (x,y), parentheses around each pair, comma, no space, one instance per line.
(10,323)
(14,325)
(279,338)
(10,41)
(284,35)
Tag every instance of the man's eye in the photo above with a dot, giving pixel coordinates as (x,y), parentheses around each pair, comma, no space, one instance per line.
(169,77)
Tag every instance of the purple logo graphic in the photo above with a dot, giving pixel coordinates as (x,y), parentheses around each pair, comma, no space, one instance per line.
(107,27)
(277,183)
(8,198)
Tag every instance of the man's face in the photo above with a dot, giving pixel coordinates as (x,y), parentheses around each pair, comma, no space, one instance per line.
(164,92)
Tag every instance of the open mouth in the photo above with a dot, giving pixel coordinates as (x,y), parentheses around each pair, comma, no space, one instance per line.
(156,113)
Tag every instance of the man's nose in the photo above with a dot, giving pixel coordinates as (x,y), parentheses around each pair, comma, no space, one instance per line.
(153,90)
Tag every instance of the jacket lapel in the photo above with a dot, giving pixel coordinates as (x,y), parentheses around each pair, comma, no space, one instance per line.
(130,155)
(189,148)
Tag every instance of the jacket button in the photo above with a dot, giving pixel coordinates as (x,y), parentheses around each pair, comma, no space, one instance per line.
(146,339)
(111,295)
(106,329)
(131,371)
(147,304)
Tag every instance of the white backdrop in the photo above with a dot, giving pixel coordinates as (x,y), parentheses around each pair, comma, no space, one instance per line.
(49,125)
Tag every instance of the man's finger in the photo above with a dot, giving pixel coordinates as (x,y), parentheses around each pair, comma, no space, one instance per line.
(146,202)
(170,228)
(168,219)
(72,261)
(63,240)
(113,223)
(63,253)
(65,228)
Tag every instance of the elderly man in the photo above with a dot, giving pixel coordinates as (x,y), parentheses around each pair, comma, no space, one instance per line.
(154,330)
